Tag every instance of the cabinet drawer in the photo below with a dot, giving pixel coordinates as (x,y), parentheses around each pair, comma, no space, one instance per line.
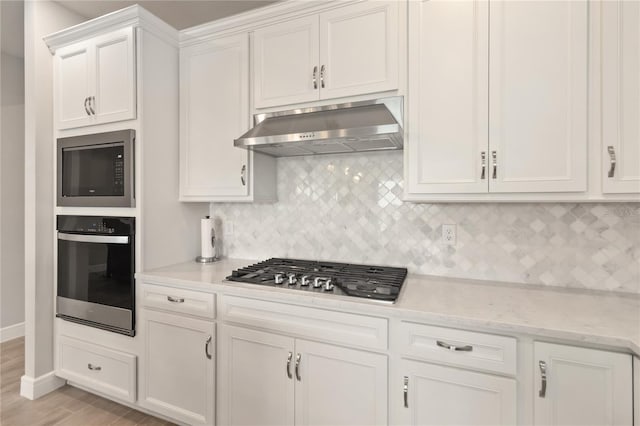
(340,327)
(104,370)
(178,300)
(458,347)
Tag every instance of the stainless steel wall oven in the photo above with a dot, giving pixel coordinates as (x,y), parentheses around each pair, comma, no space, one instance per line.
(96,266)
(96,170)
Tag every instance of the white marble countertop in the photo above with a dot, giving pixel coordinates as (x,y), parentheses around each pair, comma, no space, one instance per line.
(596,318)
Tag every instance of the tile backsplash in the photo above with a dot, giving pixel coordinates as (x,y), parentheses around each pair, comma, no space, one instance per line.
(349,208)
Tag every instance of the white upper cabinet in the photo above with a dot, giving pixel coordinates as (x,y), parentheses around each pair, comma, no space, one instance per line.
(348,51)
(286,63)
(72,85)
(538,96)
(621,97)
(579,386)
(95,80)
(495,105)
(359,50)
(448,102)
(214,110)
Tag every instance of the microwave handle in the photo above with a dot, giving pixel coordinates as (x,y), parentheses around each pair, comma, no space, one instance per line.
(83,238)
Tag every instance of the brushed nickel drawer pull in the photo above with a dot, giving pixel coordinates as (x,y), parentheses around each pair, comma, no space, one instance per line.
(494,156)
(86,108)
(243,173)
(543,376)
(405,391)
(92,99)
(94,367)
(298,358)
(175,299)
(454,348)
(612,158)
(483,157)
(322,70)
(315,77)
(206,347)
(289,365)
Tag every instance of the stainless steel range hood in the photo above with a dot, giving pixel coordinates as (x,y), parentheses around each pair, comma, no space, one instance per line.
(359,126)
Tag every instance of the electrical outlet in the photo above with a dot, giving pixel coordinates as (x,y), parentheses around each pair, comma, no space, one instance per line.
(449,234)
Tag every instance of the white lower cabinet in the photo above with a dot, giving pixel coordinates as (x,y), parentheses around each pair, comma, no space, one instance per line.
(178,370)
(579,386)
(438,395)
(270,379)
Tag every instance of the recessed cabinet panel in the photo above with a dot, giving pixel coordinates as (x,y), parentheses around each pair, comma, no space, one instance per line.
(115,76)
(339,386)
(581,386)
(285,63)
(73,85)
(214,100)
(538,96)
(621,97)
(437,395)
(178,377)
(448,105)
(256,377)
(359,49)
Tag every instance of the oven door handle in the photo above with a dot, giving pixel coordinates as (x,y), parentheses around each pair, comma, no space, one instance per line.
(82,238)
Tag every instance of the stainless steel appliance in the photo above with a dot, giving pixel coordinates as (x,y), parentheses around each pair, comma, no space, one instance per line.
(332,129)
(96,170)
(379,283)
(96,263)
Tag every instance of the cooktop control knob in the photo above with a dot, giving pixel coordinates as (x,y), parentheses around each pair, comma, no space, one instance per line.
(328,286)
(304,281)
(317,282)
(292,279)
(279,279)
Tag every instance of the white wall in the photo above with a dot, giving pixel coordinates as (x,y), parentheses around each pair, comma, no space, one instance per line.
(12,192)
(41,18)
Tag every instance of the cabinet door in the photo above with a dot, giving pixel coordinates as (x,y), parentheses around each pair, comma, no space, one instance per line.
(448,105)
(73,85)
(621,96)
(214,108)
(178,376)
(115,88)
(339,386)
(285,60)
(359,49)
(437,395)
(538,96)
(583,386)
(256,380)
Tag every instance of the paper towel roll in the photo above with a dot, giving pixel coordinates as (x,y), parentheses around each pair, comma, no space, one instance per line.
(207,238)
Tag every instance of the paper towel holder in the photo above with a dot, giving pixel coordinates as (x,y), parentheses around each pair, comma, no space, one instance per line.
(204,259)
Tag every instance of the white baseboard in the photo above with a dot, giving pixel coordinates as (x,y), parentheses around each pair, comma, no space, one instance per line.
(11,332)
(31,388)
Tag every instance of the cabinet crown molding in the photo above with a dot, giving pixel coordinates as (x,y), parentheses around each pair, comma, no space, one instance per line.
(257,18)
(132,16)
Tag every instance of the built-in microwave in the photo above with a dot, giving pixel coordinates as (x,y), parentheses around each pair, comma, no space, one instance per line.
(96,170)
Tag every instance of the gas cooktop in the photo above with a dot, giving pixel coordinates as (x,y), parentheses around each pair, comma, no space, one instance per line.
(380,283)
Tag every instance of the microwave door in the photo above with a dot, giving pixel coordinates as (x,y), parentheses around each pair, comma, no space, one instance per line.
(94,171)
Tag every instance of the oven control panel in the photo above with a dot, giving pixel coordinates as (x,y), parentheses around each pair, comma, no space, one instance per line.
(96,224)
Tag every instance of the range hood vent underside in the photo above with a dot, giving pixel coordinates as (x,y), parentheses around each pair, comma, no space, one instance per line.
(363,126)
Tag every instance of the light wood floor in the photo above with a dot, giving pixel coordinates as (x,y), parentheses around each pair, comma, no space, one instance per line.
(64,406)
